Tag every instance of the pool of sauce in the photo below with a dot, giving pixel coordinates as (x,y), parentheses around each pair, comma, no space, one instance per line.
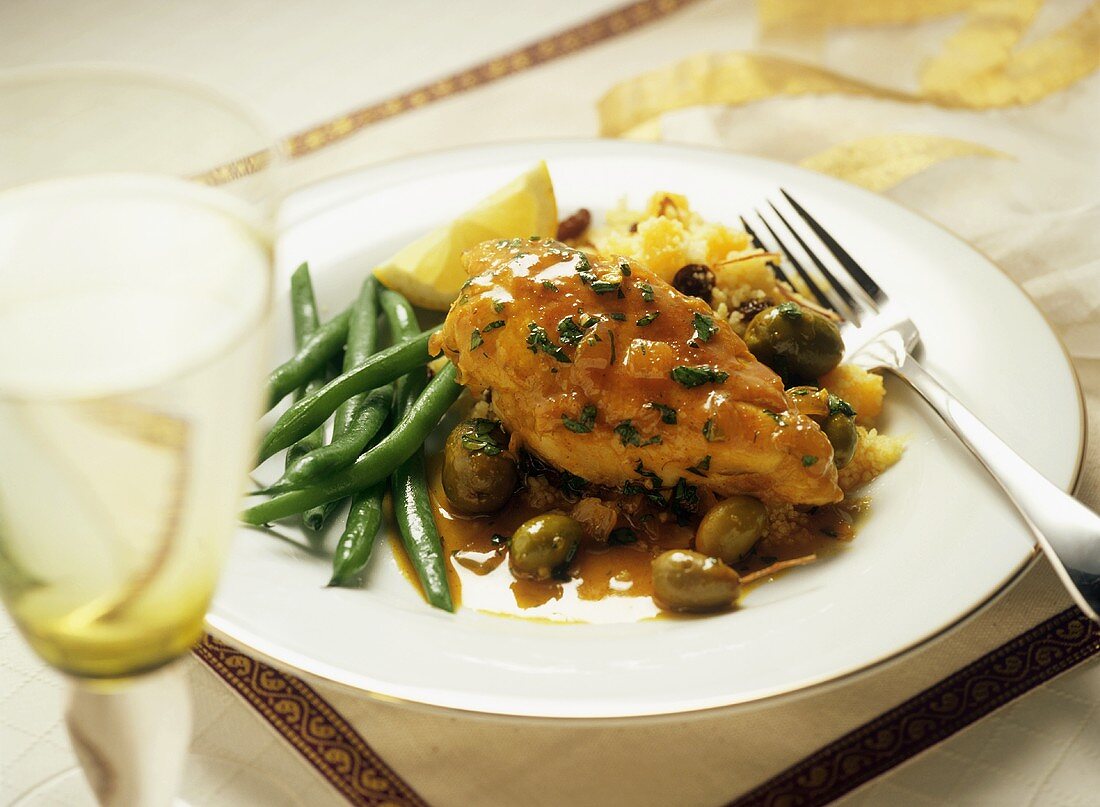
(607,583)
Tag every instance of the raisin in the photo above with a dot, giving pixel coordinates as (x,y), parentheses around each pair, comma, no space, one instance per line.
(694,280)
(750,308)
(575,225)
(634,227)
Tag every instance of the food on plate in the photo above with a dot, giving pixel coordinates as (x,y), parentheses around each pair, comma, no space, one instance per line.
(429,270)
(691,581)
(600,368)
(544,545)
(729,530)
(652,410)
(478,476)
(798,343)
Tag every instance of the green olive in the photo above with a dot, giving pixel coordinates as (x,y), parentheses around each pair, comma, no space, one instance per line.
(841,431)
(730,529)
(478,476)
(796,342)
(543,544)
(690,581)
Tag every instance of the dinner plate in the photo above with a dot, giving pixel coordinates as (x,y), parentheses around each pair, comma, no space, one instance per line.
(940,540)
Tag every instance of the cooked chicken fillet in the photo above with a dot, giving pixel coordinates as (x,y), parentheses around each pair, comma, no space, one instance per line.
(604,370)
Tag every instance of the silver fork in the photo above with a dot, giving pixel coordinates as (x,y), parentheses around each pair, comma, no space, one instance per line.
(879,335)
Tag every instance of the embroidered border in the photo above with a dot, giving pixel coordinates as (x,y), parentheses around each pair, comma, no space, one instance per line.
(312,726)
(1019,665)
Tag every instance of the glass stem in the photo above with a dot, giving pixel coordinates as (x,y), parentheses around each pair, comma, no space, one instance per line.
(131,737)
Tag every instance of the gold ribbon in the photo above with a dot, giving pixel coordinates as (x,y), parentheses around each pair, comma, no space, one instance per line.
(720,78)
(814,15)
(881,162)
(979,68)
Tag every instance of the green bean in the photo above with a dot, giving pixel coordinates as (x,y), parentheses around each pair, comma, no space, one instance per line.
(310,359)
(345,448)
(413,509)
(404,327)
(306,321)
(412,506)
(315,517)
(353,550)
(399,314)
(360,417)
(362,342)
(303,305)
(313,410)
(375,465)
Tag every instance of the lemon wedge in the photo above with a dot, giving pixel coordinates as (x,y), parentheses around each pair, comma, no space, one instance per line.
(429,271)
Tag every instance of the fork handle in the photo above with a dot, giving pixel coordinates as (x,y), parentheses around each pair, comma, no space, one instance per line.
(1067,531)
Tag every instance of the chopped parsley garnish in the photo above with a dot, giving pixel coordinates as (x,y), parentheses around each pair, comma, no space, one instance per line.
(582,263)
(607,284)
(498,306)
(571,484)
(534,238)
(538,340)
(711,431)
(569,331)
(584,424)
(629,436)
(648,318)
(704,327)
(684,500)
(492,326)
(621,536)
(790,310)
(701,467)
(668,414)
(693,376)
(838,405)
(808,460)
(652,495)
(779,418)
(647,292)
(625,269)
(611,335)
(589,320)
(480,437)
(618,316)
(550,284)
(475,339)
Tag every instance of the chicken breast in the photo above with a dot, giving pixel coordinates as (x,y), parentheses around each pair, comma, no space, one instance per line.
(604,370)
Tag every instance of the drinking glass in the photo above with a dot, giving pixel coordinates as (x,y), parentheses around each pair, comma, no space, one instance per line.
(135,288)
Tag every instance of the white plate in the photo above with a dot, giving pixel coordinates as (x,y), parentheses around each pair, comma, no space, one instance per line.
(941,540)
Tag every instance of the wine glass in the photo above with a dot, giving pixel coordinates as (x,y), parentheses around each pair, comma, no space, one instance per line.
(135,289)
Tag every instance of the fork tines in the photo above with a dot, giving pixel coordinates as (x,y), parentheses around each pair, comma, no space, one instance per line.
(839,283)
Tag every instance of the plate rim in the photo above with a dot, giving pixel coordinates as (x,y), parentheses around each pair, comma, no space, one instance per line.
(278,656)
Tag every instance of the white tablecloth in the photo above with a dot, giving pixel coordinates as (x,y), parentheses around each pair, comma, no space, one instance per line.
(302,63)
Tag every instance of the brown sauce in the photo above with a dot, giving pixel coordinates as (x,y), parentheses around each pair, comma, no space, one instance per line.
(608,583)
